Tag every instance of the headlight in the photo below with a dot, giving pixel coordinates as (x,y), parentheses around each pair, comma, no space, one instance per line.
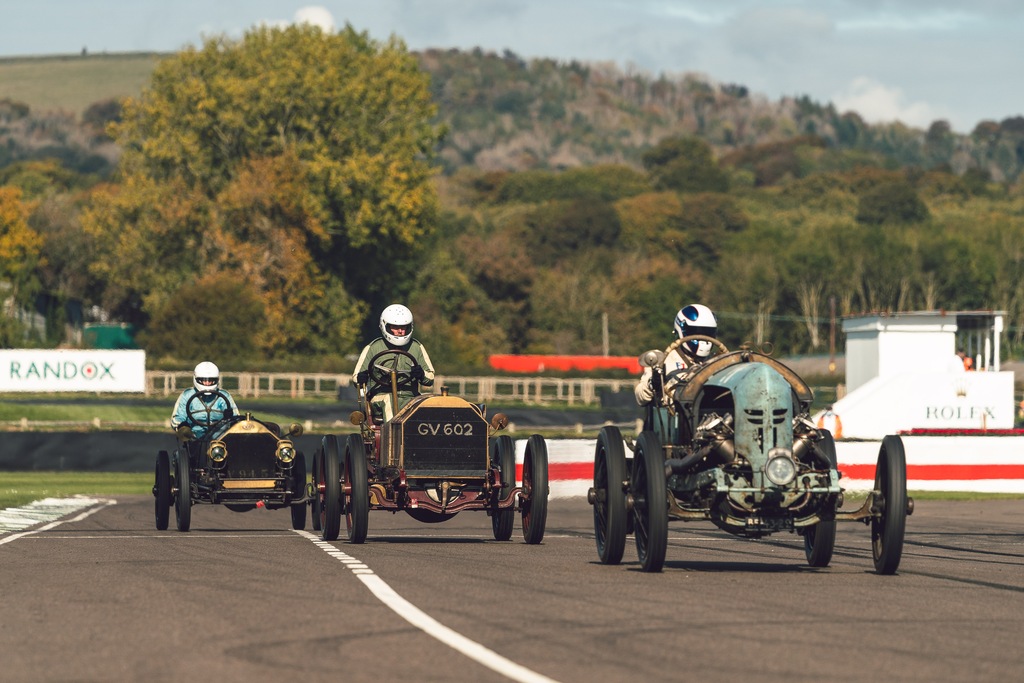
(780,468)
(218,451)
(285,452)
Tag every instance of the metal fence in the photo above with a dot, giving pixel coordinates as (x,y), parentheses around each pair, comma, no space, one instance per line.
(533,390)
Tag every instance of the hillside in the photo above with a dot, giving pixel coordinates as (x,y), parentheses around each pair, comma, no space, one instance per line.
(506,113)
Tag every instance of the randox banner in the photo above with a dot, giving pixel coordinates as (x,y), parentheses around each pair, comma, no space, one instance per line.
(90,370)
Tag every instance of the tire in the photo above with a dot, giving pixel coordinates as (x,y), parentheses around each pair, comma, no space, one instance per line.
(330,497)
(183,495)
(315,500)
(610,502)
(357,500)
(535,484)
(162,490)
(889,527)
(503,455)
(299,488)
(650,502)
(820,538)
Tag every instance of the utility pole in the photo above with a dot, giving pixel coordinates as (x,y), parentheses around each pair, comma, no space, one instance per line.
(604,332)
(832,335)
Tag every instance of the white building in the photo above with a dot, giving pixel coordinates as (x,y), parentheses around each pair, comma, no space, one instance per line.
(902,373)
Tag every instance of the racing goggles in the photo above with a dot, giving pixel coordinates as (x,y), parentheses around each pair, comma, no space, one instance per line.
(207,381)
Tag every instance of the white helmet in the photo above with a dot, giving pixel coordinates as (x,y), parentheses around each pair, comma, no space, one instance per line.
(206,377)
(396,315)
(696,319)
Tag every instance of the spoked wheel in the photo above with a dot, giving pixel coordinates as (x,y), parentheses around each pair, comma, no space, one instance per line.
(355,489)
(820,539)
(650,502)
(503,455)
(162,490)
(183,494)
(888,528)
(535,489)
(315,501)
(330,494)
(609,496)
(299,490)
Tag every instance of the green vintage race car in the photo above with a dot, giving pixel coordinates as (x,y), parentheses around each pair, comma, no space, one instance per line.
(733,444)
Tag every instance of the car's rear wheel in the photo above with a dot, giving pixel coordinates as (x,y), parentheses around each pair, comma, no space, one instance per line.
(162,490)
(820,538)
(298,491)
(183,493)
(503,456)
(330,496)
(314,502)
(888,528)
(610,498)
(357,498)
(535,488)
(650,503)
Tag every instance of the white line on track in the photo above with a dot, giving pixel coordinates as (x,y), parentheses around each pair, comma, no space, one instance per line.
(426,623)
(99,505)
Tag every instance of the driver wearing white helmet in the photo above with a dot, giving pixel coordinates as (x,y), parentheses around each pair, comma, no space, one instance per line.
(690,320)
(202,405)
(396,335)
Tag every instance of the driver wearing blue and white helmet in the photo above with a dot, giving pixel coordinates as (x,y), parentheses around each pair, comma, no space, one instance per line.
(694,319)
(396,326)
(203,404)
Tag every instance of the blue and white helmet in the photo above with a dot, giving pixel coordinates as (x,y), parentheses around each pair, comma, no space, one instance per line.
(696,319)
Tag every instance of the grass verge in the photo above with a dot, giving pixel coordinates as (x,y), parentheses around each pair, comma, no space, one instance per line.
(20,488)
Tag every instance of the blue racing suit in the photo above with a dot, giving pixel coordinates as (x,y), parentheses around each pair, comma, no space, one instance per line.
(207,410)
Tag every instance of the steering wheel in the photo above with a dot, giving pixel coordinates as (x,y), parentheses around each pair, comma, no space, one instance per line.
(384,362)
(202,412)
(721,348)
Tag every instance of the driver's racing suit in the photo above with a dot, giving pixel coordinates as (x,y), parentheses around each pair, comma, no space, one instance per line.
(675,365)
(207,410)
(381,402)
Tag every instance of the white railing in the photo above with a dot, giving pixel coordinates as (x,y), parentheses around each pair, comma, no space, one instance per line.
(533,390)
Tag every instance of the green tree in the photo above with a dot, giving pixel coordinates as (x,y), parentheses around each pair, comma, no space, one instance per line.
(685,164)
(217,318)
(896,202)
(341,124)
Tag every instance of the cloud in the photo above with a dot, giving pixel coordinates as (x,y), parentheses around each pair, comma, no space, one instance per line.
(317,16)
(879,103)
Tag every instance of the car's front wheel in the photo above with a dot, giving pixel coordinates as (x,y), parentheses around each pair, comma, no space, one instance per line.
(356,488)
(162,490)
(330,496)
(183,493)
(650,502)
(887,530)
(503,456)
(820,538)
(298,491)
(535,487)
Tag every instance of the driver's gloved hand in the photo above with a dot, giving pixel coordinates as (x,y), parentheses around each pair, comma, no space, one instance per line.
(417,373)
(184,432)
(363,377)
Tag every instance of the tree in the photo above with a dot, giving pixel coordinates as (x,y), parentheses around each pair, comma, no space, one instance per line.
(685,164)
(895,202)
(19,249)
(336,127)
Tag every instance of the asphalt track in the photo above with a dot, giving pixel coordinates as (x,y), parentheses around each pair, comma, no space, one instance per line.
(103,596)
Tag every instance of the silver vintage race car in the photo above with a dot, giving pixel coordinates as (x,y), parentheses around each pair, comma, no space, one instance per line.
(734,445)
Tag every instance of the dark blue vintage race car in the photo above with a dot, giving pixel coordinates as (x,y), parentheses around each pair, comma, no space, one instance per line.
(241,463)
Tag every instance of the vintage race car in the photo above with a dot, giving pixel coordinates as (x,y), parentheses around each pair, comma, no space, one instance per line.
(438,456)
(241,463)
(734,445)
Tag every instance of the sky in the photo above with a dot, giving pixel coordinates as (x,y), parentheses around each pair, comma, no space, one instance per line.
(914,61)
